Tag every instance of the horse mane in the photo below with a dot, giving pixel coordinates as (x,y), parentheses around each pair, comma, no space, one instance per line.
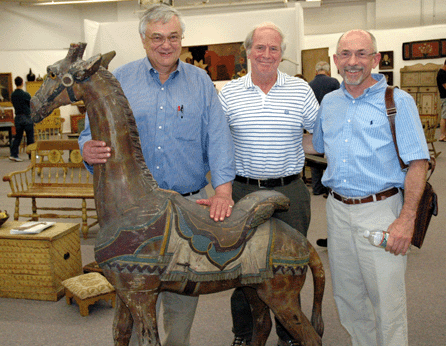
(125,110)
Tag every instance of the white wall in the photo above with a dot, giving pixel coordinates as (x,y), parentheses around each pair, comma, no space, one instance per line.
(38,36)
(123,37)
(387,40)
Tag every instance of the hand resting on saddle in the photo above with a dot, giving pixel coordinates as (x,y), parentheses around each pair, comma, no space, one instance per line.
(250,212)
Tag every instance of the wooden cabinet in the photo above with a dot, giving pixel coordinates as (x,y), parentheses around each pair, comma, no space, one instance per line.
(420,81)
(32,87)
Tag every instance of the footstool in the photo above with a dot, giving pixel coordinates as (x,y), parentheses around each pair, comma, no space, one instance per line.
(86,289)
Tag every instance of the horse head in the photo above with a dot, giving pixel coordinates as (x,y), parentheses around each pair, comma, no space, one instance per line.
(60,85)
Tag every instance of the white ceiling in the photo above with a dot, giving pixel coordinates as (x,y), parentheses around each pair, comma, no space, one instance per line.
(189,3)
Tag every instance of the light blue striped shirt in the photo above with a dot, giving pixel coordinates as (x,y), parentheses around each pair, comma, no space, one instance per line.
(182,127)
(267,129)
(356,138)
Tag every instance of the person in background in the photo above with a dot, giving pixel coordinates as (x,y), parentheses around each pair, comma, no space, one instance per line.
(322,84)
(365,184)
(267,112)
(23,123)
(183,133)
(441,83)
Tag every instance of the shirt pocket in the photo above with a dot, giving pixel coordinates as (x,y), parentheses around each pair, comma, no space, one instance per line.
(187,123)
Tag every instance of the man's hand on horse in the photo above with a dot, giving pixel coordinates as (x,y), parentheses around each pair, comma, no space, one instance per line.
(95,152)
(221,203)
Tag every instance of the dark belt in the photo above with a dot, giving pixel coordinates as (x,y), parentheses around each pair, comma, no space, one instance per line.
(268,183)
(190,193)
(360,200)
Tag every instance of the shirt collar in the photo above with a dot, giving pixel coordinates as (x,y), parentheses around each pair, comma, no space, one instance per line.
(375,88)
(280,80)
(155,72)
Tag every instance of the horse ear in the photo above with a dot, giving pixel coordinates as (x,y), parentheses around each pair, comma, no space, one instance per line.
(106,58)
(88,68)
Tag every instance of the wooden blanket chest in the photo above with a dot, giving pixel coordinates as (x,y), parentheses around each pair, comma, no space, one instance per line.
(33,266)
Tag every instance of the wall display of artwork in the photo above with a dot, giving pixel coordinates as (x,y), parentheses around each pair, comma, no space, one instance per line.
(221,61)
(5,89)
(424,49)
(386,62)
(388,75)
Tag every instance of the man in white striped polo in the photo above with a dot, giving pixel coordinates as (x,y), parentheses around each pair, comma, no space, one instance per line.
(267,112)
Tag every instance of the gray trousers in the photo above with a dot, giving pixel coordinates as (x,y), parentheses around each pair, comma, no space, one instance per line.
(298,217)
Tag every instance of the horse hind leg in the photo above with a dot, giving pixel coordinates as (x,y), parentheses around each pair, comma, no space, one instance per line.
(281,295)
(142,307)
(318,273)
(261,317)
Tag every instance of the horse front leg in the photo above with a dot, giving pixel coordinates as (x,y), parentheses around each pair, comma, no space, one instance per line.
(122,323)
(142,306)
(260,315)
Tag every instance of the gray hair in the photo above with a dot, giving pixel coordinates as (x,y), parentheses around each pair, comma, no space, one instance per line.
(156,13)
(375,46)
(249,38)
(323,66)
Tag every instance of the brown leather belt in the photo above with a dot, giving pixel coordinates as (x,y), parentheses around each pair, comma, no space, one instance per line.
(360,200)
(267,183)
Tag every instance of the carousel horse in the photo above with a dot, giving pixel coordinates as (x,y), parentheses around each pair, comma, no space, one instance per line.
(152,240)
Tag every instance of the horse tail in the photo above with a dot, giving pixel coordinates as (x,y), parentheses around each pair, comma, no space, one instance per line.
(318,273)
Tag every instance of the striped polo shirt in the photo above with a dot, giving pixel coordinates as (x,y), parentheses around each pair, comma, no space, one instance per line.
(267,128)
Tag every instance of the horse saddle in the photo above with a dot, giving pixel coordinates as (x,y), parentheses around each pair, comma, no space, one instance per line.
(230,234)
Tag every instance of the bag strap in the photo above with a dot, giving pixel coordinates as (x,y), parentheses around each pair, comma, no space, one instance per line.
(391,113)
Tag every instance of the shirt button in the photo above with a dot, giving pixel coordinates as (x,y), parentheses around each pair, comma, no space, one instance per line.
(162,89)
(346,140)
(160,127)
(343,160)
(157,167)
(345,181)
(353,101)
(159,148)
(348,120)
(161,107)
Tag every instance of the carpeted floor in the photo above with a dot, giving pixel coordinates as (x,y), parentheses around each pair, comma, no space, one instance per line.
(42,323)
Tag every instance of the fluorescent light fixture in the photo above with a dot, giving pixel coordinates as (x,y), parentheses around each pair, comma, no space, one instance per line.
(70,2)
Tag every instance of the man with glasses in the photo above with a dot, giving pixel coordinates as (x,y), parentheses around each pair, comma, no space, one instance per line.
(365,183)
(183,132)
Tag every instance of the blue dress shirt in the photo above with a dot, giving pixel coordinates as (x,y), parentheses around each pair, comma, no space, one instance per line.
(182,127)
(355,135)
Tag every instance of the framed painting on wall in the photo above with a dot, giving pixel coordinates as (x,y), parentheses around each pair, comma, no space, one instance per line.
(5,89)
(430,49)
(221,61)
(386,62)
(388,75)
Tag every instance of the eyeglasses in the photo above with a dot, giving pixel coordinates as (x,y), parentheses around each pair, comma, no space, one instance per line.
(160,39)
(361,55)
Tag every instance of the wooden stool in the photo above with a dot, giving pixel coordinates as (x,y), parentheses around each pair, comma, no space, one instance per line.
(87,289)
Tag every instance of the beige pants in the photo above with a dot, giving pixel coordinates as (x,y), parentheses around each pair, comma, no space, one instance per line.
(368,282)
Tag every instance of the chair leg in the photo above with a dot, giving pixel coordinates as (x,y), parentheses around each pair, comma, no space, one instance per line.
(434,151)
(84,218)
(35,216)
(16,209)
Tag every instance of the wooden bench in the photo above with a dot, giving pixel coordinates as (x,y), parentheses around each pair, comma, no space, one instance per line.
(57,178)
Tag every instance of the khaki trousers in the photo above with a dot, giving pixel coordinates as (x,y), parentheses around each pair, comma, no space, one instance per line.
(368,282)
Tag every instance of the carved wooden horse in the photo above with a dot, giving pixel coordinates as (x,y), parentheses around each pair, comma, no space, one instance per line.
(138,222)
